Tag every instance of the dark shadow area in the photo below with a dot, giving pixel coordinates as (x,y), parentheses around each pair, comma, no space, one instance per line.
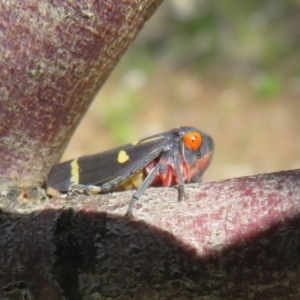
(66,255)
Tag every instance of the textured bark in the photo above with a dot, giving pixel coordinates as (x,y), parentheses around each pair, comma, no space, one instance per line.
(54,57)
(234,239)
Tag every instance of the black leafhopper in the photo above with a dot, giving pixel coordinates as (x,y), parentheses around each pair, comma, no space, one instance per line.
(173,157)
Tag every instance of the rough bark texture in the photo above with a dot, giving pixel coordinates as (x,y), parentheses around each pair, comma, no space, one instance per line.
(235,239)
(54,57)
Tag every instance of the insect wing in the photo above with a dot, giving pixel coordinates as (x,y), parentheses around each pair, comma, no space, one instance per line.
(100,168)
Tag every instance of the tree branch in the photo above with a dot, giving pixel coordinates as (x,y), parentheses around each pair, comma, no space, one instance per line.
(233,239)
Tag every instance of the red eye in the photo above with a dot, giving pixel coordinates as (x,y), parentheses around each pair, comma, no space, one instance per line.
(192,140)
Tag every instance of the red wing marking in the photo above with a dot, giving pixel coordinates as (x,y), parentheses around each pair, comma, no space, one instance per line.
(169,177)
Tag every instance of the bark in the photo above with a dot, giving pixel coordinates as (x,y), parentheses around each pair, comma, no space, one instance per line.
(234,239)
(54,57)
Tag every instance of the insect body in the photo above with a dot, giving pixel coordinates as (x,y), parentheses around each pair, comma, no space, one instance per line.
(174,157)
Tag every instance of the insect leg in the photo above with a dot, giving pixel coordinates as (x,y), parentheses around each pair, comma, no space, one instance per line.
(148,180)
(84,189)
(181,191)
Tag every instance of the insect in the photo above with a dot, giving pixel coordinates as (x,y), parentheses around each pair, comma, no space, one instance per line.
(173,157)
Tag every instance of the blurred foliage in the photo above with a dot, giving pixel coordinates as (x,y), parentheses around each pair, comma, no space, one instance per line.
(239,37)
(267,87)
(117,112)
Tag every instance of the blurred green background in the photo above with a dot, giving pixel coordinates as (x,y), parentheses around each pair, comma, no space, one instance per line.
(230,68)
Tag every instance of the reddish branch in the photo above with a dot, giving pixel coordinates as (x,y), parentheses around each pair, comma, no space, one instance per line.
(235,239)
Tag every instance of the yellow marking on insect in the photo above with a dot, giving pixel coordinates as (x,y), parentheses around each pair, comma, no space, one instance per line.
(152,139)
(94,190)
(126,185)
(135,143)
(74,172)
(134,182)
(137,179)
(122,157)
